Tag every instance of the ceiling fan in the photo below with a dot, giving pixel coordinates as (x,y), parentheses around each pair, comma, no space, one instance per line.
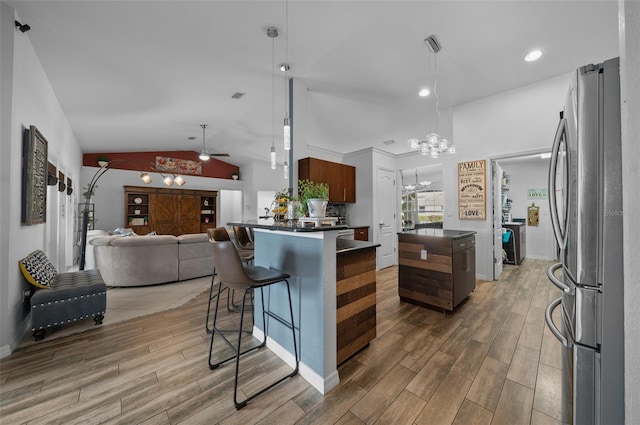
(204,154)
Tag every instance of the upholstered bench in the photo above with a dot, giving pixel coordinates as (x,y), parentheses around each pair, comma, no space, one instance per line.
(62,297)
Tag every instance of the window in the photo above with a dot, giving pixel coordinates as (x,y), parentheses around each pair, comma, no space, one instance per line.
(422,206)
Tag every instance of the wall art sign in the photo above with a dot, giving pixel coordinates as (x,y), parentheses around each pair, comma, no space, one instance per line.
(537,193)
(472,199)
(34,177)
(178,166)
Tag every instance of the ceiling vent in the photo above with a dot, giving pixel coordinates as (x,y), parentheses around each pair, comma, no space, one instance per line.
(237,95)
(389,142)
(433,43)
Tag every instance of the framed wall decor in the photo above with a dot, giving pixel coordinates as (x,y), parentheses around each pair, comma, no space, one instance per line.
(178,166)
(34,177)
(472,194)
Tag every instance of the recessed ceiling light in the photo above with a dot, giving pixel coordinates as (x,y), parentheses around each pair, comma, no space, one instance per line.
(424,92)
(533,55)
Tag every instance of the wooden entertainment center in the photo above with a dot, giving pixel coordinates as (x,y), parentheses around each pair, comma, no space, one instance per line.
(169,211)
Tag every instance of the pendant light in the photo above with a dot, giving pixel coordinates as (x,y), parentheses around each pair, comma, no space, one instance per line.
(286,169)
(434,144)
(285,68)
(204,155)
(272,33)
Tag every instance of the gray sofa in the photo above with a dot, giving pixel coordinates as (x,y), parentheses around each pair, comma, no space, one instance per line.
(150,260)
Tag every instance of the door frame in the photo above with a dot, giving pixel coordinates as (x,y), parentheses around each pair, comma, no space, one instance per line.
(497,158)
(377,218)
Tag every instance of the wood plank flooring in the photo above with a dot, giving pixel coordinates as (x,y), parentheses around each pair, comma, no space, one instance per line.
(492,361)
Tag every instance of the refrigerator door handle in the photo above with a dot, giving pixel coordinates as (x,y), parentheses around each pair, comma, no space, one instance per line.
(552,277)
(552,326)
(553,165)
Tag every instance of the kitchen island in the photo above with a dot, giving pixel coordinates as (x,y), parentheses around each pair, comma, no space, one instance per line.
(437,268)
(319,264)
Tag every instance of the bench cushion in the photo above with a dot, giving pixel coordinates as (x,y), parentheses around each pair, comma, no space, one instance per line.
(73,296)
(38,270)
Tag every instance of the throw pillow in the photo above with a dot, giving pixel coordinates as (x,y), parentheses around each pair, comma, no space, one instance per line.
(124,232)
(153,233)
(38,270)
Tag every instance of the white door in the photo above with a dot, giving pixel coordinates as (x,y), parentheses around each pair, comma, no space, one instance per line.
(386,218)
(497,219)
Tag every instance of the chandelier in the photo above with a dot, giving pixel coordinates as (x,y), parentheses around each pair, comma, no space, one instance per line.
(434,145)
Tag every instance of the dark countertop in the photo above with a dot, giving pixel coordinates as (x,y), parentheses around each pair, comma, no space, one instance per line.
(348,245)
(342,245)
(352,226)
(441,233)
(287,226)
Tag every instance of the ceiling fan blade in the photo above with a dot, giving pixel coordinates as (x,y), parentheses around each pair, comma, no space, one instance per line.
(218,154)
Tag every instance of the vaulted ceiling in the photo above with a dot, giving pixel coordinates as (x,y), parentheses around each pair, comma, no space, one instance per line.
(143,75)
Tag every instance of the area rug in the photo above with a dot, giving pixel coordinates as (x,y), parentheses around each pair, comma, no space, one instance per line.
(127,303)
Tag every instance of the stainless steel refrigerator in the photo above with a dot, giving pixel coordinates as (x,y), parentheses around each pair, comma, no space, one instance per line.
(585,194)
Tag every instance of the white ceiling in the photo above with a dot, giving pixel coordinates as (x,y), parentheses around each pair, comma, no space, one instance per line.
(143,75)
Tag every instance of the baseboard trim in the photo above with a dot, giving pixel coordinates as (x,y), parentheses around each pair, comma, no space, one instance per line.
(5,351)
(323,385)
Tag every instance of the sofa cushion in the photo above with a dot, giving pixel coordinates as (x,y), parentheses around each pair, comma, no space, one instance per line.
(144,240)
(193,238)
(38,270)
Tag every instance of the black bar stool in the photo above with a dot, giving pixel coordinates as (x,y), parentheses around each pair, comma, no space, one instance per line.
(220,234)
(234,275)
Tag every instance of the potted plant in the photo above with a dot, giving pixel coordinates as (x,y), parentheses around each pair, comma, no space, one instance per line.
(313,197)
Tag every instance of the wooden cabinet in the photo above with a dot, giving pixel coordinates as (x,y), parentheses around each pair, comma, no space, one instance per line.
(137,211)
(355,301)
(169,211)
(340,178)
(519,244)
(361,233)
(435,270)
(207,213)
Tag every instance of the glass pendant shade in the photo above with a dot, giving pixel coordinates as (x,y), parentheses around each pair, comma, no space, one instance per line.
(204,155)
(432,139)
(287,134)
(168,181)
(286,169)
(273,157)
(145,177)
(414,144)
(179,180)
(452,148)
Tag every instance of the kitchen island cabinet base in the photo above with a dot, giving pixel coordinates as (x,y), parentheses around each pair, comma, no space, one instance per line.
(436,267)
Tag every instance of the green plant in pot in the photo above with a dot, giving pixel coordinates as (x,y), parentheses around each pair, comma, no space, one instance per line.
(313,197)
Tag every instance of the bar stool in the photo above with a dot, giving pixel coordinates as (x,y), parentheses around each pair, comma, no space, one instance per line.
(242,237)
(220,234)
(247,278)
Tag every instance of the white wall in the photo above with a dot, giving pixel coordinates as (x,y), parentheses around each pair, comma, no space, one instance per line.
(525,176)
(259,176)
(30,100)
(516,121)
(229,207)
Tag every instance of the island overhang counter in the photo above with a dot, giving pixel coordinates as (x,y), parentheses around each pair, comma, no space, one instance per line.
(311,256)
